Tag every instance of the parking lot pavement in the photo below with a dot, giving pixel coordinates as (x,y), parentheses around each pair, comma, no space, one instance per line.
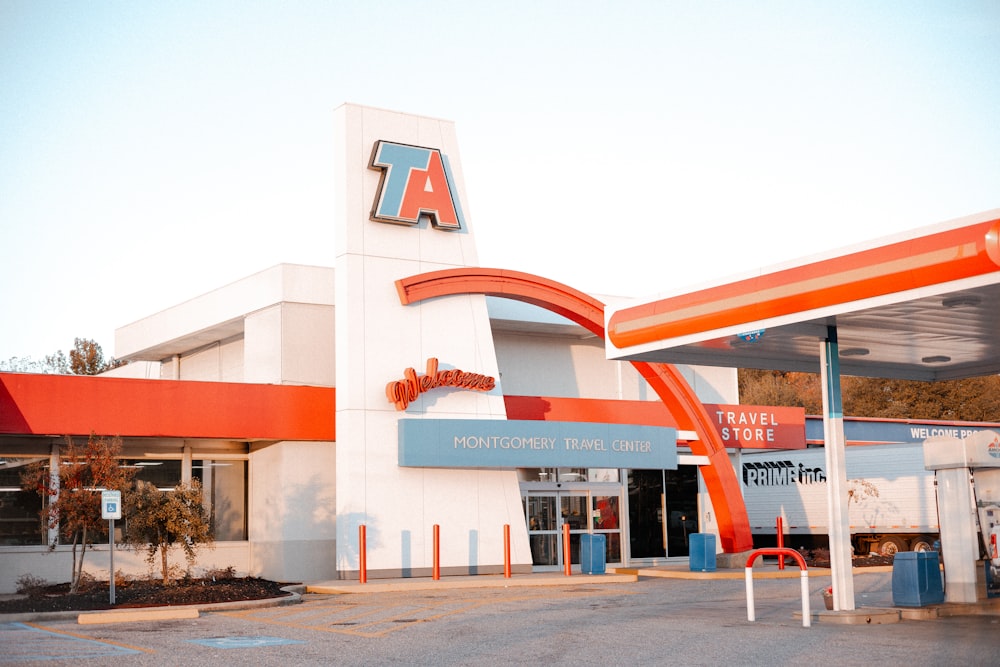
(652,621)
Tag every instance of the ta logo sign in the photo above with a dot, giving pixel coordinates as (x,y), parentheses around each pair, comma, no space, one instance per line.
(415,182)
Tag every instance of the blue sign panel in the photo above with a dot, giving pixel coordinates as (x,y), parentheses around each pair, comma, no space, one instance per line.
(488,443)
(865,431)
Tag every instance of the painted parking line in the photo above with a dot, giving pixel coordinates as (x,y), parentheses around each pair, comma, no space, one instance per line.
(23,642)
(244,642)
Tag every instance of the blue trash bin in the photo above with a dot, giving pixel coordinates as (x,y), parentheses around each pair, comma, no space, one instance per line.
(592,548)
(916,579)
(701,552)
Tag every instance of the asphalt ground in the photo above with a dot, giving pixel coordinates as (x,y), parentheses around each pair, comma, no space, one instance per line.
(575,621)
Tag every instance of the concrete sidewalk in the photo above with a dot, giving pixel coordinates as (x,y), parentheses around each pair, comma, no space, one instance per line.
(470,581)
(862,615)
(618,575)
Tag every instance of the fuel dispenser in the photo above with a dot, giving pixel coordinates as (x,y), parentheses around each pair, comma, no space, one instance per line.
(967,472)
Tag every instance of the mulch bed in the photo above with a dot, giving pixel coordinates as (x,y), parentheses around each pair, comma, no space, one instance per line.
(143,593)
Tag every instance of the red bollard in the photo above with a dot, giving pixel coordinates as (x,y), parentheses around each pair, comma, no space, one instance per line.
(362,555)
(567,565)
(506,550)
(781,543)
(437,552)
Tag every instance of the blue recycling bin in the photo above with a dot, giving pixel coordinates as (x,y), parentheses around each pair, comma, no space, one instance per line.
(592,548)
(916,579)
(701,552)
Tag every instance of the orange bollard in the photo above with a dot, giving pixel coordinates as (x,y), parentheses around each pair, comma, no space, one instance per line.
(567,565)
(781,543)
(506,550)
(437,552)
(362,556)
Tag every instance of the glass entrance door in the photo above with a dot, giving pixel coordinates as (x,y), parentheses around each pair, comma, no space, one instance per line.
(548,511)
(663,511)
(542,513)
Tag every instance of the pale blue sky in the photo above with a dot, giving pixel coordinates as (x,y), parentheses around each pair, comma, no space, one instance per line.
(151,151)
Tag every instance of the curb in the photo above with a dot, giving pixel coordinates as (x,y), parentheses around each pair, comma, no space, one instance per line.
(156,613)
(768,572)
(424,584)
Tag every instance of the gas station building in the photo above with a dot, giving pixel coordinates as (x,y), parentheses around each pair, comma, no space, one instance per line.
(407,387)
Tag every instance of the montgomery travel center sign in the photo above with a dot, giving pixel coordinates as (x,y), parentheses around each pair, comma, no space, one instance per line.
(491,443)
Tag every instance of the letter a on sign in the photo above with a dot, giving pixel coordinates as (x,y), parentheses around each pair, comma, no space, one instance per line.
(415,182)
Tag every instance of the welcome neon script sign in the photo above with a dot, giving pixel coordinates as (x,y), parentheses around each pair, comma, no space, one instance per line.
(403,392)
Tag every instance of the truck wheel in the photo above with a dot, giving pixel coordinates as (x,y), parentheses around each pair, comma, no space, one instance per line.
(891,545)
(923,543)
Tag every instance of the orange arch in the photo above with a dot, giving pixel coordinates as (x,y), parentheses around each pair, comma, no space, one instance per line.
(673,390)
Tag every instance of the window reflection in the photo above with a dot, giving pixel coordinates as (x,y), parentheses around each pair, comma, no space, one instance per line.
(20,520)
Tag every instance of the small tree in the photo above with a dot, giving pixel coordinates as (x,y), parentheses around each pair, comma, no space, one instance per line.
(72,501)
(157,520)
(86,358)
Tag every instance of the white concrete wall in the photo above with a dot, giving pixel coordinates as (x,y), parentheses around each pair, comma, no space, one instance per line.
(262,346)
(292,511)
(221,361)
(377,339)
(308,349)
(290,343)
(218,315)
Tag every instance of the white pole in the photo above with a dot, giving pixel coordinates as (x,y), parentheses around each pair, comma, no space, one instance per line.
(838,523)
(806,612)
(751,615)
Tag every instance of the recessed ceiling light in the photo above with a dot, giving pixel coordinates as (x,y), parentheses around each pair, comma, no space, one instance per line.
(936,359)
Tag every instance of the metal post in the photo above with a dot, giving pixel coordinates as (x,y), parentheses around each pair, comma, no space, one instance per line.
(506,550)
(111,552)
(781,543)
(437,552)
(803,577)
(567,565)
(806,612)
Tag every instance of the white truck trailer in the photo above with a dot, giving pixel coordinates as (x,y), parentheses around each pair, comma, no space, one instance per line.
(892,502)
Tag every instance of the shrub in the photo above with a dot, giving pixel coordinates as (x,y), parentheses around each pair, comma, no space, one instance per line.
(160,520)
(28,584)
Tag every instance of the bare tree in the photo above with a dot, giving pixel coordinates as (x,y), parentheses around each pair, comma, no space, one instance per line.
(72,500)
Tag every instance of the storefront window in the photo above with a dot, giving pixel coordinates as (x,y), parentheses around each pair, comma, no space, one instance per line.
(224,487)
(164,475)
(20,520)
(602,475)
(572,474)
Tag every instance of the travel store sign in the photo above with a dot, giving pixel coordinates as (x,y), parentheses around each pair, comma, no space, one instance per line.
(488,443)
(759,427)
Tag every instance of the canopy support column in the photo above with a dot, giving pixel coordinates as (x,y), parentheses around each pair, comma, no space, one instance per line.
(836,475)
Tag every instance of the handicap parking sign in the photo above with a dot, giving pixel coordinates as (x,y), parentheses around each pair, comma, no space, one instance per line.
(111,504)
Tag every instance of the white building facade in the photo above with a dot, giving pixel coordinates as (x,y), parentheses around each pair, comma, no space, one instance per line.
(294,510)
